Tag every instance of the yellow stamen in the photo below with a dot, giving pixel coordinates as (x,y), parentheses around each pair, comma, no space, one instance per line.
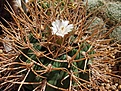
(62,28)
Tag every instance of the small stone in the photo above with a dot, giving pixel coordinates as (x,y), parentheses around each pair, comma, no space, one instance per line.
(1,51)
(119,87)
(103,84)
(113,87)
(109,71)
(107,86)
(102,88)
(116,84)
(119,81)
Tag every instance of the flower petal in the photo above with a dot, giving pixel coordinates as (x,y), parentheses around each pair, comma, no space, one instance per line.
(54,30)
(60,34)
(57,23)
(64,23)
(69,28)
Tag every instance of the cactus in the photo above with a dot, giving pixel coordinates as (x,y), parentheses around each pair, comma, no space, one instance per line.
(115,35)
(94,4)
(97,22)
(113,11)
(45,59)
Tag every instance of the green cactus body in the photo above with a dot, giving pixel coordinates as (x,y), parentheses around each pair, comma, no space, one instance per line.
(54,77)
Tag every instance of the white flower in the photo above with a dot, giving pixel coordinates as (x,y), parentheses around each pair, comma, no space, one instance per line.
(61,27)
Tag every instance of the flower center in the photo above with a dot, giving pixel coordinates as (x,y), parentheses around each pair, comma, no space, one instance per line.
(62,28)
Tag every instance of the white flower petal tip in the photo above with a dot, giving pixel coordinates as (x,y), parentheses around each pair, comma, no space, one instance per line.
(61,27)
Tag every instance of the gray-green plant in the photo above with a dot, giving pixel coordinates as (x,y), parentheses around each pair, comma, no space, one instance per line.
(96,22)
(113,11)
(116,34)
(94,4)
